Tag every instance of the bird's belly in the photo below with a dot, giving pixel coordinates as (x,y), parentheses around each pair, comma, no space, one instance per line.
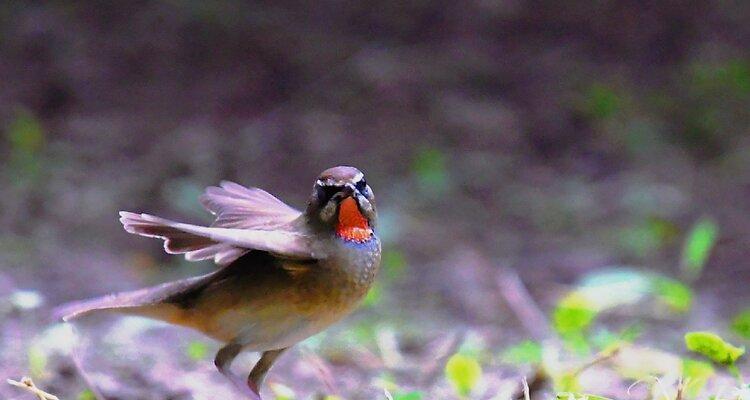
(275,316)
(259,333)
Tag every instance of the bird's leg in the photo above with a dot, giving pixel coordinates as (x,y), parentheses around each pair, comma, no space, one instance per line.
(255,379)
(223,362)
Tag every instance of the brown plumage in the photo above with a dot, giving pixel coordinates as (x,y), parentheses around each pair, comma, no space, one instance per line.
(284,275)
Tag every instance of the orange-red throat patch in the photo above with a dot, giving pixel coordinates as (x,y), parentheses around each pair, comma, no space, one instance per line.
(352,225)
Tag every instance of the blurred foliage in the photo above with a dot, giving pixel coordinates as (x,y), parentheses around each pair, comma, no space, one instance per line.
(741,324)
(602,101)
(463,373)
(394,264)
(566,382)
(571,319)
(526,352)
(414,395)
(606,340)
(649,236)
(25,133)
(578,396)
(605,289)
(673,293)
(431,171)
(697,248)
(731,76)
(37,360)
(713,347)
(197,350)
(282,392)
(26,137)
(696,374)
(87,395)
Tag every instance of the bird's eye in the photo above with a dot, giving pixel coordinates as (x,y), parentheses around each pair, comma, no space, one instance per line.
(361,185)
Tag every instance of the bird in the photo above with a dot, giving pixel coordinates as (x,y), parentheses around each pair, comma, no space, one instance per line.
(283,275)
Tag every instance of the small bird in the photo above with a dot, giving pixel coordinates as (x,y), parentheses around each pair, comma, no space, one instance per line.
(284,275)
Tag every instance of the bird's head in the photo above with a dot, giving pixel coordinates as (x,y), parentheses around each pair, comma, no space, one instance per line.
(343,203)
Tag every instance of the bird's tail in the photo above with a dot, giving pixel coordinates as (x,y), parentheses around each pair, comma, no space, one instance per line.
(152,302)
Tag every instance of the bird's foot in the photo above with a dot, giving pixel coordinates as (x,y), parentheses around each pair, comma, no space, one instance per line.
(255,388)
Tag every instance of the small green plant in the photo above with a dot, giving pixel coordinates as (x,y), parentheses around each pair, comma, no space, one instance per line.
(463,372)
(571,319)
(716,349)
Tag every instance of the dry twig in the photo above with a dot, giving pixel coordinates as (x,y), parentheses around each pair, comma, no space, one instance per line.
(27,384)
(526,390)
(322,370)
(523,305)
(680,388)
(600,358)
(431,372)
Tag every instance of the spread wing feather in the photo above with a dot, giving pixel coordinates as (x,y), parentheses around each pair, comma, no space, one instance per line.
(246,219)
(236,206)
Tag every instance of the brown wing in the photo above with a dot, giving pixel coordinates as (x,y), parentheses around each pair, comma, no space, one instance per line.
(246,219)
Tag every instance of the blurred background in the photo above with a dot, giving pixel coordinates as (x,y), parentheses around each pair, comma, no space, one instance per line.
(558,142)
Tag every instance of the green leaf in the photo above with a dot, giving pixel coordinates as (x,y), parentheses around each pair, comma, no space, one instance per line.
(572,318)
(567,382)
(579,396)
(675,294)
(196,350)
(713,347)
(526,352)
(415,395)
(574,313)
(697,247)
(463,373)
(87,394)
(696,374)
(741,324)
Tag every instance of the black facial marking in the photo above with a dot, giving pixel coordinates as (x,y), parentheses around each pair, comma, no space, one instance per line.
(361,186)
(326,192)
